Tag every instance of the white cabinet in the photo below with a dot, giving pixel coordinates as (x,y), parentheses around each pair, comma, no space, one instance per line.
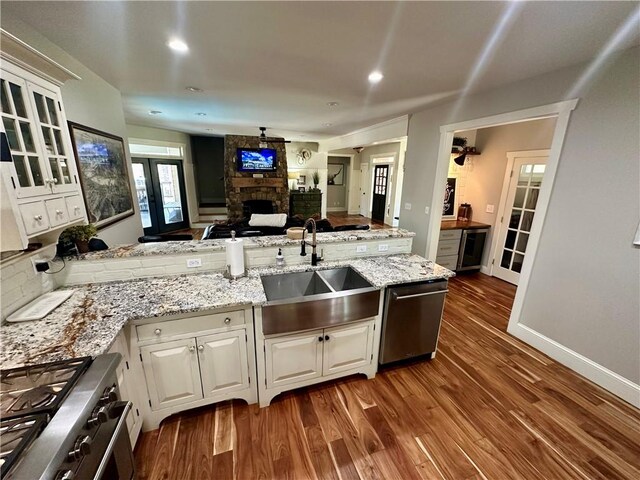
(448,248)
(294,358)
(42,173)
(172,373)
(292,361)
(194,360)
(223,362)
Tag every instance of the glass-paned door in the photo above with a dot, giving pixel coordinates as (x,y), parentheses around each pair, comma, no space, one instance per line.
(380,183)
(52,129)
(161,194)
(519,211)
(31,174)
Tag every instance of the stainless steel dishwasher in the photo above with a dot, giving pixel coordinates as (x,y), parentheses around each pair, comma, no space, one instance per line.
(411,322)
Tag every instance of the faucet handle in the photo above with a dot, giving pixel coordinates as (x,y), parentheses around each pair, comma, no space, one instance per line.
(303,252)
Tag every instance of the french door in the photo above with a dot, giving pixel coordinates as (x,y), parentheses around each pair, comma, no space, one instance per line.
(380,183)
(517,215)
(161,194)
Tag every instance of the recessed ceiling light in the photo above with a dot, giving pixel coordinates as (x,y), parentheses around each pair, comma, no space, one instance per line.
(194,89)
(178,45)
(201,114)
(333,104)
(375,76)
(154,112)
(327,124)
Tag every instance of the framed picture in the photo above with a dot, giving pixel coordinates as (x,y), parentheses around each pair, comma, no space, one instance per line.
(335,174)
(302,179)
(302,189)
(449,205)
(102,166)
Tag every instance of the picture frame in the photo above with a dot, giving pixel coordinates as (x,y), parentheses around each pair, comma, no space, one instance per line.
(449,201)
(302,179)
(302,189)
(335,174)
(104,174)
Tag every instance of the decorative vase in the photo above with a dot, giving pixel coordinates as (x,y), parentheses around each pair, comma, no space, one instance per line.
(83,246)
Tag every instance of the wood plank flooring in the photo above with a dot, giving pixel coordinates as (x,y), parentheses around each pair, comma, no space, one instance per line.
(487,407)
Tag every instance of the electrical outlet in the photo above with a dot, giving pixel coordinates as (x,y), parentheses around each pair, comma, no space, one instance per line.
(40,266)
(361,248)
(407,206)
(426,210)
(383,248)
(194,262)
(490,208)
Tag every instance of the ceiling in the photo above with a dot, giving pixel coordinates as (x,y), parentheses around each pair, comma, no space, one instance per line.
(278,64)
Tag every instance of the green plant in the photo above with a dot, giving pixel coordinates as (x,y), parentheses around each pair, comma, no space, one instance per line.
(315,176)
(82,233)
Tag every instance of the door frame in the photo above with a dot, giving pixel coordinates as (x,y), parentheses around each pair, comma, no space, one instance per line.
(365,209)
(511,156)
(562,111)
(391,192)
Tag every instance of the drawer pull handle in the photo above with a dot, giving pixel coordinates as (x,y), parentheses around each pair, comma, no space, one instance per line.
(227,321)
(38,218)
(157,331)
(201,347)
(192,348)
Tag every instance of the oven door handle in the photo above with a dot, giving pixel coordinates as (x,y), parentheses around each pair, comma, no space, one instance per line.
(122,423)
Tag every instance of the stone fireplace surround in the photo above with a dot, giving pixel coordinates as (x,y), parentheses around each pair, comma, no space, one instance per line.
(242,186)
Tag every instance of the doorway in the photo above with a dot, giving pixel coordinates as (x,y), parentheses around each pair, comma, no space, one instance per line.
(521,190)
(380,183)
(161,194)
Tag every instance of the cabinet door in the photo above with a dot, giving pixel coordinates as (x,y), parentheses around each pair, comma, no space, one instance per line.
(223,362)
(347,347)
(30,175)
(172,373)
(54,136)
(293,358)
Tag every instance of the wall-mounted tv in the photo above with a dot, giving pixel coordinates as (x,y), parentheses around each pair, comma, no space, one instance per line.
(256,160)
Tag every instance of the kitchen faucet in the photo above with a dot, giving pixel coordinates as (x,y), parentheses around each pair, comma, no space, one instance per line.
(303,253)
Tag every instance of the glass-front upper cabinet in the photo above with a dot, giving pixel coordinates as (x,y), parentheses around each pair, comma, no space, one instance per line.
(37,137)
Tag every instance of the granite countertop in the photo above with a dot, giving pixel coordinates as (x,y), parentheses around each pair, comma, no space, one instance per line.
(89,321)
(206,246)
(456,224)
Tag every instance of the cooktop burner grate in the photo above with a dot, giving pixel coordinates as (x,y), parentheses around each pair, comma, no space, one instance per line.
(38,388)
(17,434)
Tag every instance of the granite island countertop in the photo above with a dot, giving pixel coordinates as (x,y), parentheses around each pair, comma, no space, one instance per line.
(89,321)
(206,246)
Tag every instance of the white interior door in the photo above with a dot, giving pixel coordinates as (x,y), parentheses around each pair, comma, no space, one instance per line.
(365,190)
(517,214)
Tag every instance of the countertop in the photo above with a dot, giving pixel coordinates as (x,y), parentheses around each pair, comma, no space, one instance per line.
(89,321)
(206,246)
(456,224)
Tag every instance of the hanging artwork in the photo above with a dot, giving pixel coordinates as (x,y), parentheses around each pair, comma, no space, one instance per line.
(335,174)
(104,176)
(449,205)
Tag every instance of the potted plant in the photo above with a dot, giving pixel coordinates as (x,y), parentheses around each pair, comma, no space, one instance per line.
(80,235)
(315,176)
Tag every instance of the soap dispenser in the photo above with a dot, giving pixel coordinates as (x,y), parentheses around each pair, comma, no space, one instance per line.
(280,258)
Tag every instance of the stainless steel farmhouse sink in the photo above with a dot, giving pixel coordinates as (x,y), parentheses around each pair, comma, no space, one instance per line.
(307,300)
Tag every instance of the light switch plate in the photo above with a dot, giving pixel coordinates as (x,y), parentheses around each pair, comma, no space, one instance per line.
(383,247)
(426,210)
(194,262)
(361,248)
(490,208)
(407,206)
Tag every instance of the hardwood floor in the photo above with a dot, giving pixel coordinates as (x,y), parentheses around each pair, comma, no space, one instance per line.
(343,218)
(487,407)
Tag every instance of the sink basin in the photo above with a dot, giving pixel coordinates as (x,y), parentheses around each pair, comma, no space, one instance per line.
(309,300)
(293,285)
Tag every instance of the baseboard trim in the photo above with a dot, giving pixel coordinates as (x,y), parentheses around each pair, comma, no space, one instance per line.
(602,376)
(486,270)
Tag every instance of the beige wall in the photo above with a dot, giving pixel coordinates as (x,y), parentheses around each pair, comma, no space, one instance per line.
(163,135)
(337,195)
(92,102)
(583,289)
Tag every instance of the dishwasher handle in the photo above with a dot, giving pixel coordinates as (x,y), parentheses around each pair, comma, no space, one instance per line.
(403,297)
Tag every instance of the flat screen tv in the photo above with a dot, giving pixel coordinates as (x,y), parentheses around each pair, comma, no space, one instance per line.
(256,160)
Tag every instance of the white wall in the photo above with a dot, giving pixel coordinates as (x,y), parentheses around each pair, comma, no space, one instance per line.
(367,156)
(91,102)
(318,161)
(163,135)
(583,290)
(337,195)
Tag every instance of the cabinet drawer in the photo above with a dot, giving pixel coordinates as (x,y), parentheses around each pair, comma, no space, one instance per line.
(57,211)
(189,325)
(450,234)
(34,216)
(448,247)
(75,207)
(448,261)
